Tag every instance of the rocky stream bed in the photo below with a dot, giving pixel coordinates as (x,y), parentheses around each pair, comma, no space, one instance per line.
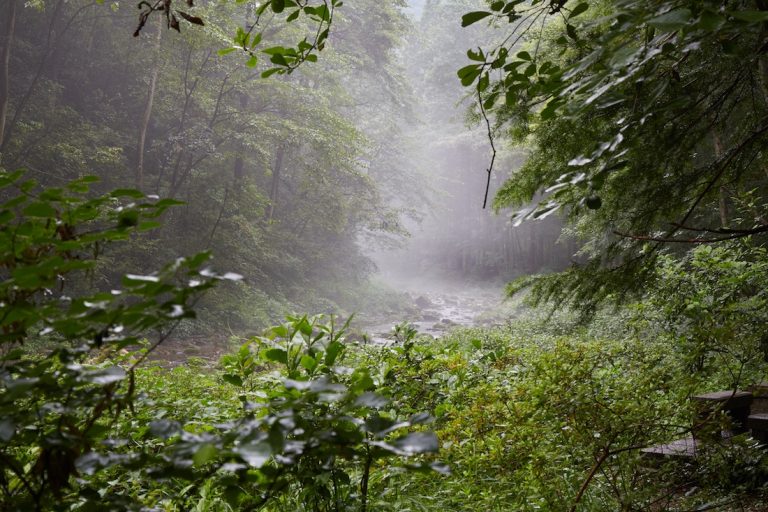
(430,312)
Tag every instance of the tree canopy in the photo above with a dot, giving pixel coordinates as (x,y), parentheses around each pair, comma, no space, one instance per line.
(646,123)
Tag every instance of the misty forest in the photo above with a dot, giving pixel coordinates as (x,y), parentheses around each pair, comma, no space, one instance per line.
(384,255)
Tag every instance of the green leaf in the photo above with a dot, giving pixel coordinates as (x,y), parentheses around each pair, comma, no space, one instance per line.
(332,352)
(40,209)
(227,51)
(672,21)
(467,70)
(28,185)
(750,16)
(276,355)
(371,400)
(127,192)
(279,59)
(418,442)
(235,380)
(483,83)
(468,74)
(256,40)
(579,9)
(165,203)
(361,381)
(473,17)
(148,225)
(278,5)
(476,55)
(204,454)
(128,219)
(308,362)
(710,21)
(104,376)
(524,56)
(6,178)
(293,16)
(255,454)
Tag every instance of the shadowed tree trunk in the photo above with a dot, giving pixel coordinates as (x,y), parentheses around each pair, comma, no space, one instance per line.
(723,206)
(5,62)
(52,46)
(49,48)
(155,73)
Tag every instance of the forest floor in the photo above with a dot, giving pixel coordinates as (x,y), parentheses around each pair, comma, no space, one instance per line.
(432,310)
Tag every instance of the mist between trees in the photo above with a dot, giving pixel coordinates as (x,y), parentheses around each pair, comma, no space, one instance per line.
(293,182)
(254,255)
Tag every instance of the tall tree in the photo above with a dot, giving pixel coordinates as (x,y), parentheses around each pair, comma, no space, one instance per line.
(5,61)
(199,110)
(154,74)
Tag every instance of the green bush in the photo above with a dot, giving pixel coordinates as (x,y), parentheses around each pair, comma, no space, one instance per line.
(84,427)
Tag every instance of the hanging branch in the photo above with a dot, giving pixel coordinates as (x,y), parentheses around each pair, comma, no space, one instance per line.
(735,233)
(493,148)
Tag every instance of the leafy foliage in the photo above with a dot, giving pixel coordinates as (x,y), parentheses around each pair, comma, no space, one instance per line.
(67,431)
(285,60)
(58,407)
(592,86)
(545,415)
(709,305)
(278,176)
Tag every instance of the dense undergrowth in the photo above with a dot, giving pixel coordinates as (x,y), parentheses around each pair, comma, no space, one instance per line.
(541,414)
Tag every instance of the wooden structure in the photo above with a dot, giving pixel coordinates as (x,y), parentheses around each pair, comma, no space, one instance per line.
(745,411)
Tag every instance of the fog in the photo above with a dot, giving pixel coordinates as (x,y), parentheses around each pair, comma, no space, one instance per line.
(354,184)
(459,254)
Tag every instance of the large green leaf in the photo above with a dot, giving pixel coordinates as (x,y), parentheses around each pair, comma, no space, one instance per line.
(473,17)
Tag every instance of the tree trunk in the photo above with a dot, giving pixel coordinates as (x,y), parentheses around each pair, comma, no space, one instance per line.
(5,62)
(762,60)
(239,170)
(155,73)
(275,188)
(50,49)
(723,193)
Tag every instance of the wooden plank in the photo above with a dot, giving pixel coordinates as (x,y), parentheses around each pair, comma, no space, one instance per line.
(758,425)
(733,399)
(685,447)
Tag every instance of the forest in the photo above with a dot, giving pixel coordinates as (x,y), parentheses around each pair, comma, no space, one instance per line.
(384,255)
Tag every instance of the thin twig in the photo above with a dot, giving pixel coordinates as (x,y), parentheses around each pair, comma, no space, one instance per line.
(493,148)
(734,235)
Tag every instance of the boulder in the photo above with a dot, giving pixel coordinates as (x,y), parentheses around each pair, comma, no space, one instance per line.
(423,302)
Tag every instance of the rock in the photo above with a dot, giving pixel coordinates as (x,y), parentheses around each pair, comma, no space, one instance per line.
(423,302)
(430,316)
